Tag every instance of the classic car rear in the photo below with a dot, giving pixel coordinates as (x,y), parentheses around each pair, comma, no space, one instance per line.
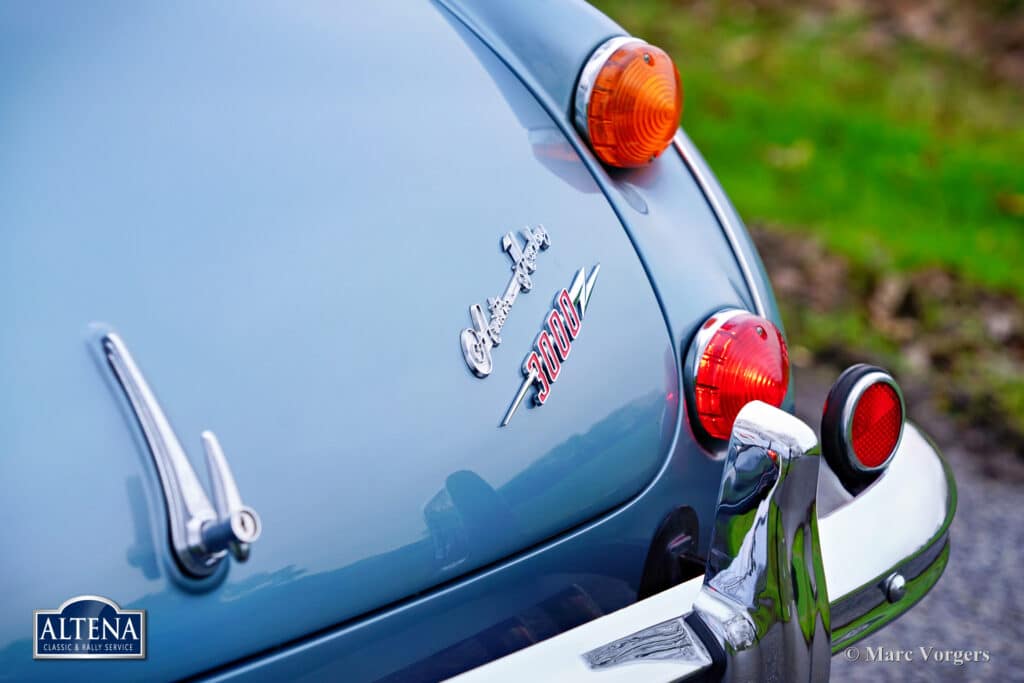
(272,223)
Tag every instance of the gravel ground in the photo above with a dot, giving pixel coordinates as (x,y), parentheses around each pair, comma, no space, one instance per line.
(978,604)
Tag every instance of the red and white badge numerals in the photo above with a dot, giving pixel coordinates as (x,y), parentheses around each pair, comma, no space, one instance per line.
(533,367)
(553,346)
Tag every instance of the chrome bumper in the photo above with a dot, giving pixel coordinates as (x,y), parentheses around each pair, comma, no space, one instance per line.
(797,570)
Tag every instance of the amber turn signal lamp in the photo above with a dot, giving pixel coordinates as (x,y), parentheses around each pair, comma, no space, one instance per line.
(862,424)
(738,357)
(628,102)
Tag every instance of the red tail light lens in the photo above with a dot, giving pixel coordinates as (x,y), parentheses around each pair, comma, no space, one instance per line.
(877,425)
(628,102)
(739,358)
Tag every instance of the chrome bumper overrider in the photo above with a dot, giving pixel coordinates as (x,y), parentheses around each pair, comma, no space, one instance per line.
(783,590)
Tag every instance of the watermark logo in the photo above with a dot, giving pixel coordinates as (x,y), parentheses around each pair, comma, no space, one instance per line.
(89,627)
(924,653)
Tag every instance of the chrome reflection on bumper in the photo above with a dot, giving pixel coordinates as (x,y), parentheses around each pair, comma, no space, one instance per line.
(783,589)
(899,525)
(764,596)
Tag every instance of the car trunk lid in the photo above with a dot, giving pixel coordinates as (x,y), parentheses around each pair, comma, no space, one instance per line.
(288,235)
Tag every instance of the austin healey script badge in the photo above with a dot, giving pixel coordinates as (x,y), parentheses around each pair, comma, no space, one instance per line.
(477,341)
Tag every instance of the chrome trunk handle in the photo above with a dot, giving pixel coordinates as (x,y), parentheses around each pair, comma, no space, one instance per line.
(201,533)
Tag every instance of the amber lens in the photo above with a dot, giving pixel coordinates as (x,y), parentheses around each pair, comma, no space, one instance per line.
(635,105)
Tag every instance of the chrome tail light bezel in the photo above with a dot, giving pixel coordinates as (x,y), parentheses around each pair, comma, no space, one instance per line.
(588,76)
(691,364)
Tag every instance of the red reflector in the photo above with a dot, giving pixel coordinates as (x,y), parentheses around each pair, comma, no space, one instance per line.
(744,359)
(877,423)
(861,425)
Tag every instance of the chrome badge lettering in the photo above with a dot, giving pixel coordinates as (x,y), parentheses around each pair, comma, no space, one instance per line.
(564,322)
(477,341)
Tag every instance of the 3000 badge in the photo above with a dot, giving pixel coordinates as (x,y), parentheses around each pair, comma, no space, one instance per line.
(564,322)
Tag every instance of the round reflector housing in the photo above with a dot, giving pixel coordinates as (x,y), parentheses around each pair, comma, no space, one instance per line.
(738,358)
(628,102)
(862,424)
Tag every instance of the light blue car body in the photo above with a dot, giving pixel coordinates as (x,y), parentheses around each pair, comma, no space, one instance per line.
(285,210)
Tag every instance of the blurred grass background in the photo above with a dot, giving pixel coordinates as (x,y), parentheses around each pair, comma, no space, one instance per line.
(890,134)
(894,152)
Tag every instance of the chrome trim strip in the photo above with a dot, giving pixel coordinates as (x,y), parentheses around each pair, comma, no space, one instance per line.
(728,228)
(673,639)
(850,610)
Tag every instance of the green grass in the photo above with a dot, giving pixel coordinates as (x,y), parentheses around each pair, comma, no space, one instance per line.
(898,157)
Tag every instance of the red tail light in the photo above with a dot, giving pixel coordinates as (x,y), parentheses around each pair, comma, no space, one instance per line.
(739,358)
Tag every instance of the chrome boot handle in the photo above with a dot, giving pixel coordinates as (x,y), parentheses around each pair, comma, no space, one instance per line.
(237,524)
(201,534)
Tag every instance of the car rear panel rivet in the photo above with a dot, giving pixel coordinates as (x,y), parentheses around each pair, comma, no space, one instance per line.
(895,587)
